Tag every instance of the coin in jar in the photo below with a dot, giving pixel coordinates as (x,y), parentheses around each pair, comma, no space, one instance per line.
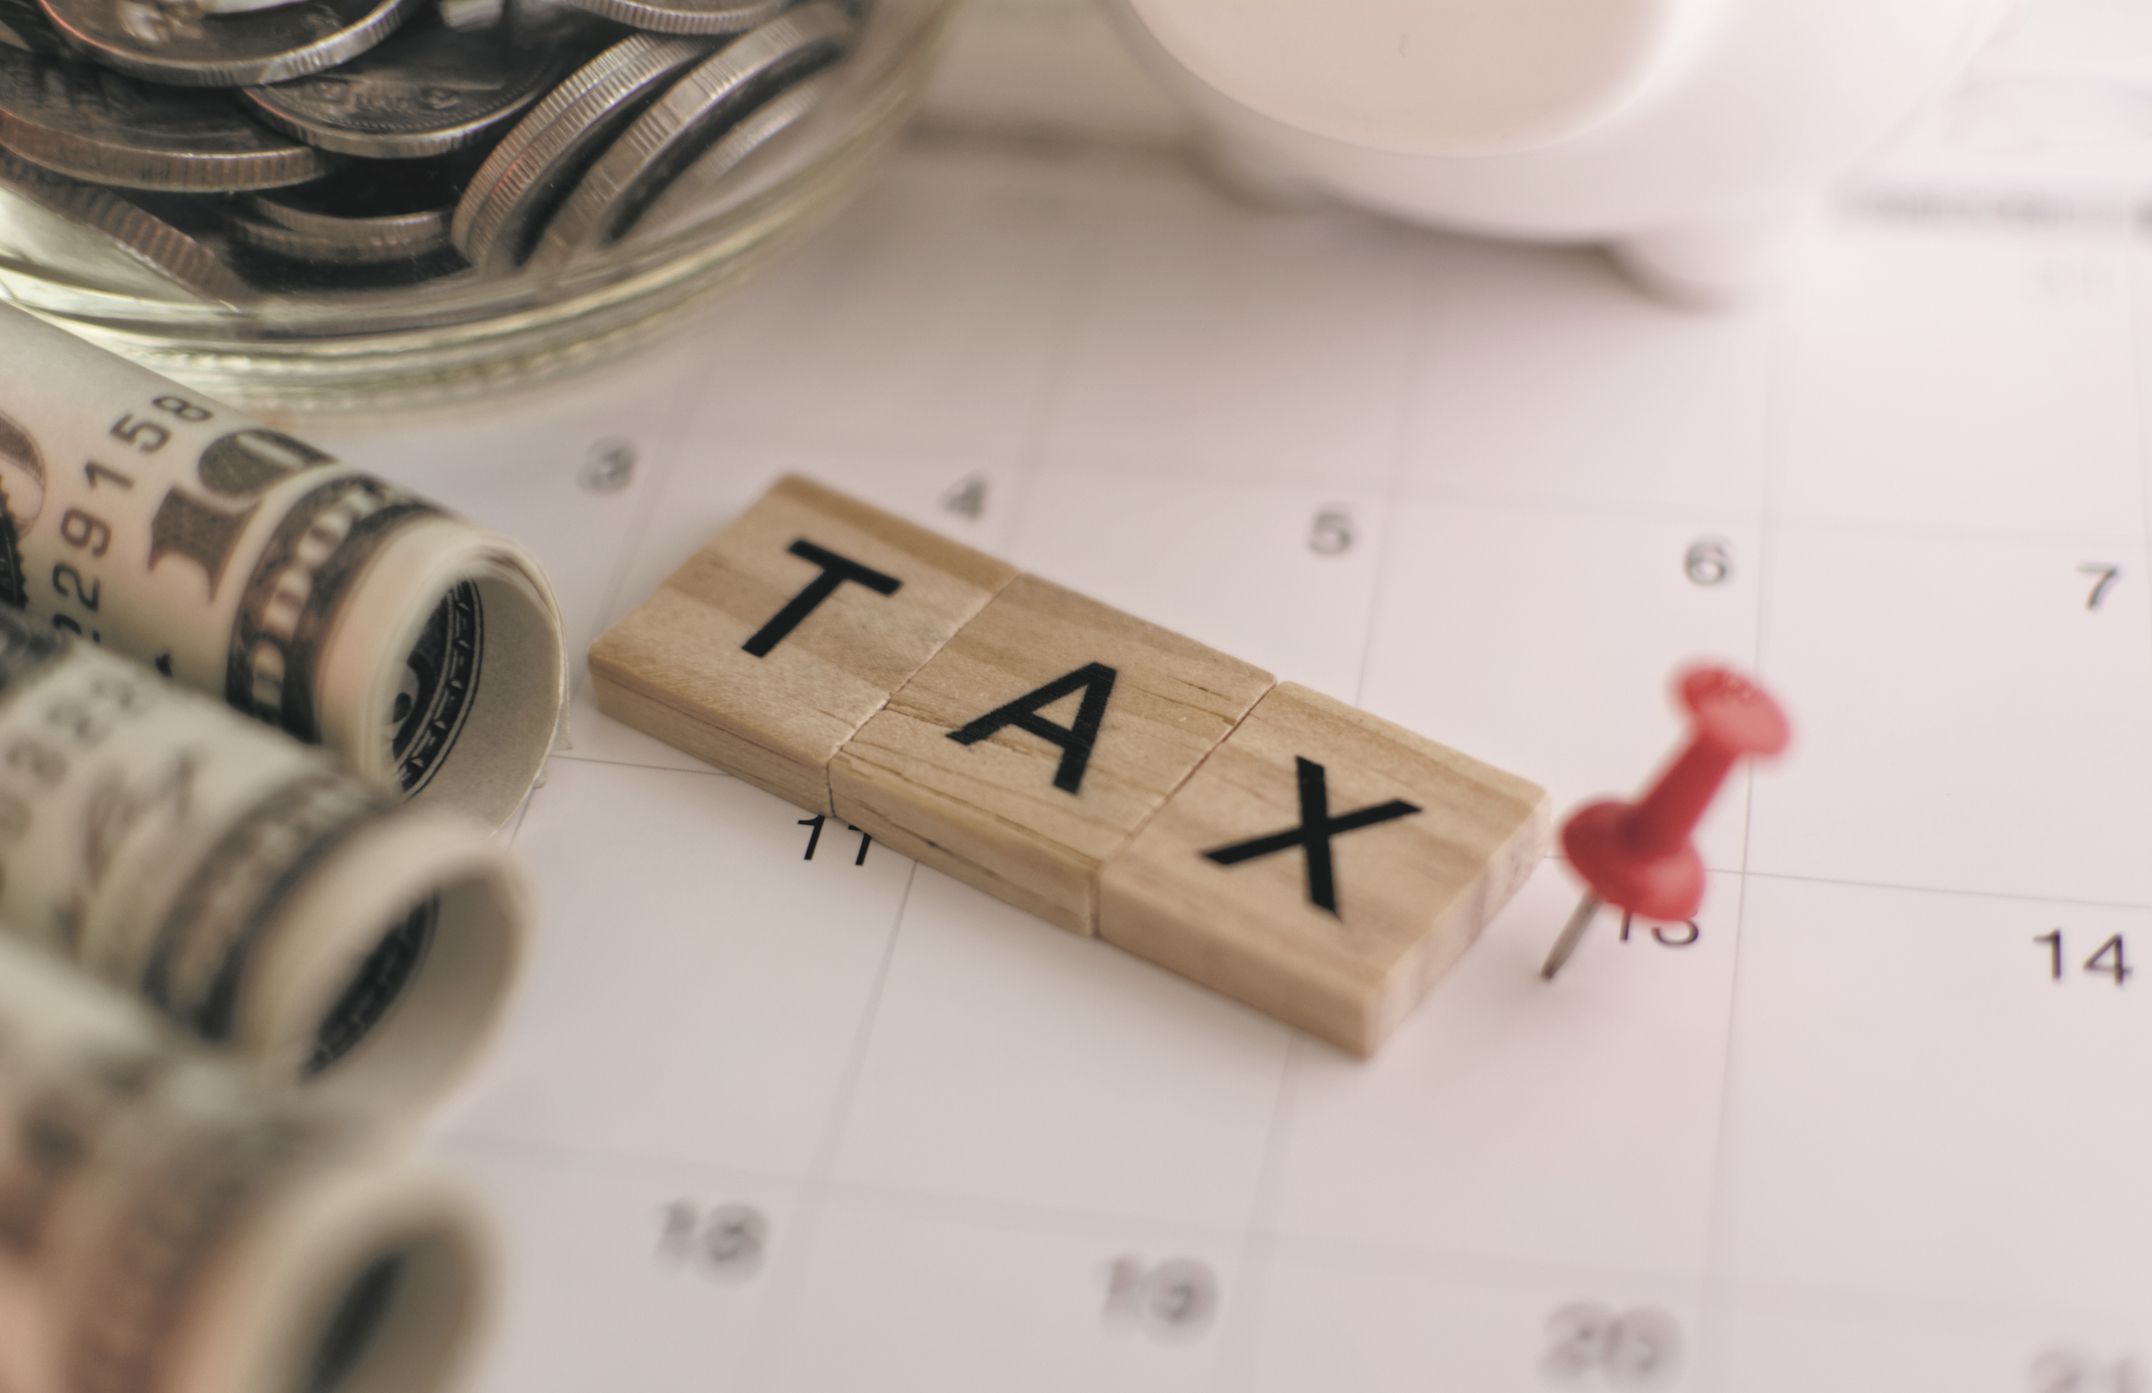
(428,90)
(24,26)
(234,7)
(705,17)
(149,243)
(697,188)
(100,126)
(522,21)
(187,48)
(542,156)
(358,219)
(692,115)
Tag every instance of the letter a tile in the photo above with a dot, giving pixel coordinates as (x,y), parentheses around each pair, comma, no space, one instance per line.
(775,642)
(1037,742)
(1324,866)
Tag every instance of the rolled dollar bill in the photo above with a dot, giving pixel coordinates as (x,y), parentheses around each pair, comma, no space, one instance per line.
(425,651)
(242,884)
(165,1227)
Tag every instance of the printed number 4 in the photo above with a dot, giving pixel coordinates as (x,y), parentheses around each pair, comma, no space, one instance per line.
(814,838)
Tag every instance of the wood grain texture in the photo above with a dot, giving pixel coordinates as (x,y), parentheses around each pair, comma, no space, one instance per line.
(1411,892)
(676,667)
(991,812)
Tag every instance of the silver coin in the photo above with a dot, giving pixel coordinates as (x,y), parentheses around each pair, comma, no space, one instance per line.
(233,7)
(356,242)
(24,26)
(545,152)
(522,20)
(113,239)
(704,17)
(340,230)
(694,115)
(108,129)
(695,190)
(187,48)
(425,91)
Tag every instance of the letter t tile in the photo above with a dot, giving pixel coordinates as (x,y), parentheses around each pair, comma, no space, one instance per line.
(773,644)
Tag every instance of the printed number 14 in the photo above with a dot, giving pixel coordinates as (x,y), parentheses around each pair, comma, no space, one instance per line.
(2111,959)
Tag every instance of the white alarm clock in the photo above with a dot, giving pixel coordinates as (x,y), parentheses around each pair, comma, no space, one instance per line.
(1691,136)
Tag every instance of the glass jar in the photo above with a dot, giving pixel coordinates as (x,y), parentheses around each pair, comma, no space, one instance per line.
(324,203)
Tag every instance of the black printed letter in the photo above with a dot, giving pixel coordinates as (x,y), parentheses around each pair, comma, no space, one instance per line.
(836,570)
(1096,682)
(1313,834)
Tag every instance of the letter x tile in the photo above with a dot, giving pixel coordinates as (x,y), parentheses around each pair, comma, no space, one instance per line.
(1035,744)
(774,643)
(1324,866)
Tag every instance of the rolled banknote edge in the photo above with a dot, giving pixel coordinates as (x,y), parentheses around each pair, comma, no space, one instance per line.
(356,1277)
(444,592)
(378,1014)
(178,1229)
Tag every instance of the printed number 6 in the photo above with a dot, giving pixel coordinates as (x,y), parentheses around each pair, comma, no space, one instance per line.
(1709,562)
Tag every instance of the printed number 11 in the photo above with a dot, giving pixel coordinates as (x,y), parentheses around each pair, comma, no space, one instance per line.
(814,838)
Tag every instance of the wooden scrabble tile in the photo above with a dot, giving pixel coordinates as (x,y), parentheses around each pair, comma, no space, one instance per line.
(1324,866)
(1034,745)
(773,644)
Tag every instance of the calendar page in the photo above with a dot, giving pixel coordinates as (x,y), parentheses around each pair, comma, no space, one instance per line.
(777,1110)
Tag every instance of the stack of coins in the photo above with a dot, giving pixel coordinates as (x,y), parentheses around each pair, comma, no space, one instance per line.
(236,147)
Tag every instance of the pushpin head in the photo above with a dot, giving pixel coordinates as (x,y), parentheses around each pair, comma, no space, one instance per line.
(1598,840)
(1639,855)
(1733,713)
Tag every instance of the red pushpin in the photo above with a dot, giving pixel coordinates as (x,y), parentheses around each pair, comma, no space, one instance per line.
(1638,856)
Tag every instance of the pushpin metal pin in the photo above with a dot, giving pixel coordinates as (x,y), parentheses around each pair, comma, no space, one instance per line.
(1639,855)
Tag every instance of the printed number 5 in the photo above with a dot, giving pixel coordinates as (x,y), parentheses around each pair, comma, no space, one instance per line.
(1332,533)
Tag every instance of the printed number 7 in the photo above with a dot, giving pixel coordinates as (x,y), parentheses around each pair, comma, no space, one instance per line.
(2106,576)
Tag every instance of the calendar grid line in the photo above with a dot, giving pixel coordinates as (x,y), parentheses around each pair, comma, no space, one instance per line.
(672,435)
(607,761)
(1713,1348)
(770,1342)
(2137,284)
(638,1162)
(1257,1247)
(1911,888)
(1075,311)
